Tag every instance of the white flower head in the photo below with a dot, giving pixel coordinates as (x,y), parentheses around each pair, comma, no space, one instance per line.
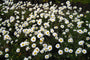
(1,52)
(70,50)
(7,50)
(70,40)
(22,44)
(46,56)
(61,40)
(7,37)
(39,22)
(57,46)
(66,49)
(88,33)
(34,53)
(33,45)
(12,19)
(78,51)
(81,42)
(25,58)
(33,39)
(49,48)
(47,33)
(80,31)
(27,48)
(40,35)
(6,55)
(60,52)
(84,51)
(18,50)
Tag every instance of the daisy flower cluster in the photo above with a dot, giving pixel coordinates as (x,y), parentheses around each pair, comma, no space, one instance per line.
(41,31)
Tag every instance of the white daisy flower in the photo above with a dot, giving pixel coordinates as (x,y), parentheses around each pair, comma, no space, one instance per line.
(70,40)
(52,30)
(12,19)
(62,26)
(70,16)
(25,58)
(18,50)
(88,33)
(81,42)
(40,35)
(6,55)
(84,51)
(80,31)
(22,44)
(44,45)
(70,50)
(37,49)
(60,52)
(7,37)
(87,38)
(61,40)
(46,56)
(34,53)
(57,46)
(1,52)
(7,50)
(41,51)
(78,51)
(33,39)
(66,49)
(29,57)
(49,48)
(55,34)
(39,22)
(47,33)
(27,48)
(33,45)
(85,30)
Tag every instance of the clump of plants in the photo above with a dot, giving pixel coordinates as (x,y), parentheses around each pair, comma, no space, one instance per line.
(43,31)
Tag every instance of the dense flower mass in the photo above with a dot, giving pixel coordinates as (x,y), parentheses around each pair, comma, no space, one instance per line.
(41,31)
